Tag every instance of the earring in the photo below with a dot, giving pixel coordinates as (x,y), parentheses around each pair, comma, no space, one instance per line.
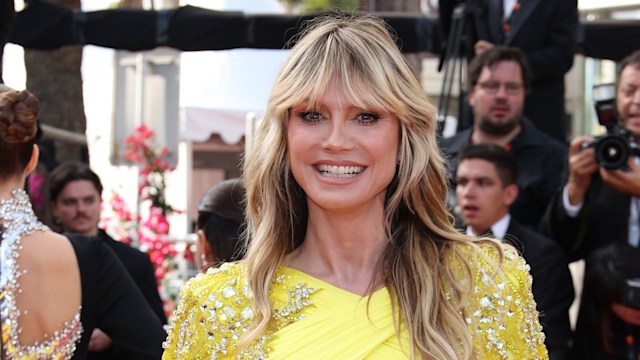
(57,220)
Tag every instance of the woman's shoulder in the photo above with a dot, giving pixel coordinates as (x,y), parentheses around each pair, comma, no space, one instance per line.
(213,312)
(505,260)
(502,312)
(224,288)
(45,267)
(227,278)
(52,252)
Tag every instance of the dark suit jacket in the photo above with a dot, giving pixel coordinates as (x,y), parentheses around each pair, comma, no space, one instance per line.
(7,17)
(603,219)
(545,31)
(552,285)
(540,163)
(141,270)
(112,302)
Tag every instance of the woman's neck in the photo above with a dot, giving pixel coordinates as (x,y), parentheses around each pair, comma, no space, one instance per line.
(8,185)
(342,249)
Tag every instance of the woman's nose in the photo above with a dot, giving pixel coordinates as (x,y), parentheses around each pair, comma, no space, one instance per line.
(338,136)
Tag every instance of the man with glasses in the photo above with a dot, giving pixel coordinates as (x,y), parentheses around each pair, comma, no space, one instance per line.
(498,81)
(545,31)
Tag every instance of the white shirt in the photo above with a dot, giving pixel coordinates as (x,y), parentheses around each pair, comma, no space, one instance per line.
(508,7)
(634,221)
(499,229)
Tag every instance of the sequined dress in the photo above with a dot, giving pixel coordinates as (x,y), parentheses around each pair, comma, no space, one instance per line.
(315,320)
(18,220)
(111,301)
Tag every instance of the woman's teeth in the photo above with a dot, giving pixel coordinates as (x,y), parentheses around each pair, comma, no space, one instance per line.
(339,171)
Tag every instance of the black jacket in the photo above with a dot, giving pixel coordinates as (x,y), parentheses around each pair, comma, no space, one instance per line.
(141,270)
(552,285)
(603,220)
(545,31)
(540,159)
(112,302)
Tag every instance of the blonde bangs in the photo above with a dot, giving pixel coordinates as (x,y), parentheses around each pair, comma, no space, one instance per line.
(368,82)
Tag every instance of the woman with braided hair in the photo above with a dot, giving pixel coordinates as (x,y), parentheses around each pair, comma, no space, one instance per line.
(55,289)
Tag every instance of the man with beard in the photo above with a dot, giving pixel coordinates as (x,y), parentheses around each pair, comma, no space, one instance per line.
(498,81)
(75,195)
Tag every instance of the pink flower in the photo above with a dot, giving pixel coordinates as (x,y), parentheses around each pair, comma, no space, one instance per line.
(160,273)
(147,231)
(36,181)
(163,228)
(144,132)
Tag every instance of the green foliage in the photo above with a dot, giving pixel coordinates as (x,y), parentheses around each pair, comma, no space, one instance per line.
(330,5)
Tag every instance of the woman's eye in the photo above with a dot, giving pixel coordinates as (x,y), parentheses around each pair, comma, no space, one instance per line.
(367,118)
(311,116)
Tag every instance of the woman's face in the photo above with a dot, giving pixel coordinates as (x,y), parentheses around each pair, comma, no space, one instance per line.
(343,156)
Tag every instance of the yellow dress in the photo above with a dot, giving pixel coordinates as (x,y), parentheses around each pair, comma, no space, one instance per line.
(315,320)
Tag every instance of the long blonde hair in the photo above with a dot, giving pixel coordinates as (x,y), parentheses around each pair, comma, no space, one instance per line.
(417,265)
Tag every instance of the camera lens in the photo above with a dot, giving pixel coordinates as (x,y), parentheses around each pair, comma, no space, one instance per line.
(612,152)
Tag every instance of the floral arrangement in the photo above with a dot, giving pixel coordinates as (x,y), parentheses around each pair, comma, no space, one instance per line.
(149,231)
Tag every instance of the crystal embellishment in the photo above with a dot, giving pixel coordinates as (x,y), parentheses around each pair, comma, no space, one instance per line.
(18,220)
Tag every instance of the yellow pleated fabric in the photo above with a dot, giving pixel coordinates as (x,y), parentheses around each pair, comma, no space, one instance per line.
(315,320)
(340,325)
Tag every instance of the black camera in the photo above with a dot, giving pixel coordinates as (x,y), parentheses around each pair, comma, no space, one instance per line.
(614,148)
(631,293)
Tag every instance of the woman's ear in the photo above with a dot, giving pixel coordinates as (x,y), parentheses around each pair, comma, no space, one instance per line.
(206,248)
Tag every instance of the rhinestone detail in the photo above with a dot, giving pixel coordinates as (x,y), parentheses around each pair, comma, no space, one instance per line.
(18,220)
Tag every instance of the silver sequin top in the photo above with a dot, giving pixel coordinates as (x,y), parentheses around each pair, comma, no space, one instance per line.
(18,220)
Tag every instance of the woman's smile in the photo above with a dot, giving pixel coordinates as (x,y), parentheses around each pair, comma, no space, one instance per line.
(342,155)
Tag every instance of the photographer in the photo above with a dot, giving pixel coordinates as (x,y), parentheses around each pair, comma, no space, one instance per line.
(600,206)
(609,326)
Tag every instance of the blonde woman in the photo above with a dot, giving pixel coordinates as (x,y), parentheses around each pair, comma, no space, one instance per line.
(352,252)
